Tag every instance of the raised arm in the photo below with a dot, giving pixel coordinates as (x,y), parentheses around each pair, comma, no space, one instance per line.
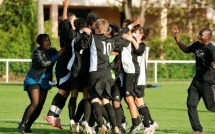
(65,7)
(181,45)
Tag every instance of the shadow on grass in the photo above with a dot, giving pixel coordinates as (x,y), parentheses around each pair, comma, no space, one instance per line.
(37,127)
(177,109)
(169,131)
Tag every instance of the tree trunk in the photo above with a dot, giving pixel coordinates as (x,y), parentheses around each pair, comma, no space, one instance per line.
(143,7)
(190,26)
(164,23)
(127,5)
(40,17)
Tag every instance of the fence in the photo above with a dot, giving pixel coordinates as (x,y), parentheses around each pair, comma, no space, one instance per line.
(155,62)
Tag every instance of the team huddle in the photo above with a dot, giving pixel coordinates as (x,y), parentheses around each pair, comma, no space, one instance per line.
(102,60)
(107,64)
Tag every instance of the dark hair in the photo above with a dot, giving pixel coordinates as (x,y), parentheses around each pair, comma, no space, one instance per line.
(79,23)
(145,31)
(91,18)
(208,30)
(41,38)
(114,28)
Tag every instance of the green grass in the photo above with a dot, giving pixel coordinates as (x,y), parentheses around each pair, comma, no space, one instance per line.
(167,105)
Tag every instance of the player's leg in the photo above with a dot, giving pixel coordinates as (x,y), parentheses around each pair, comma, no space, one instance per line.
(192,103)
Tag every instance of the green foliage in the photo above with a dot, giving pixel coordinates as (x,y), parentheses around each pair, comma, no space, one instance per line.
(169,50)
(54,40)
(17,31)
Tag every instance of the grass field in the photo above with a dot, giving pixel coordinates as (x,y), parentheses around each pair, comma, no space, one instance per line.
(167,105)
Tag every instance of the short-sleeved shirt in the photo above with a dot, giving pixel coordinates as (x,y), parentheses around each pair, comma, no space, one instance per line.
(204,55)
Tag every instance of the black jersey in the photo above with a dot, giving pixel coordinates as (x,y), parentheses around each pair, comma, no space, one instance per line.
(100,50)
(204,55)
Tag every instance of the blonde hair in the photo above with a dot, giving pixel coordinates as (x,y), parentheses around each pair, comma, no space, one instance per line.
(101,26)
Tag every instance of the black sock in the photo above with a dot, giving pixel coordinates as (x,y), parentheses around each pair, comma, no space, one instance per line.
(58,101)
(144,115)
(123,115)
(118,112)
(72,107)
(80,110)
(111,114)
(97,113)
(136,121)
(104,113)
(87,110)
(92,119)
(151,121)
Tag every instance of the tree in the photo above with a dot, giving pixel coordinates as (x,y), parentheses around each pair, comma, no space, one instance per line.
(17,28)
(17,32)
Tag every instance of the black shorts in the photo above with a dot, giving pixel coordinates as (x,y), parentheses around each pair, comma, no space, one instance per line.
(117,91)
(80,82)
(140,91)
(99,84)
(63,75)
(130,84)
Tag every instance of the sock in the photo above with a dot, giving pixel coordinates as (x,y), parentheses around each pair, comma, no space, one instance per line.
(97,113)
(111,114)
(118,112)
(57,105)
(151,121)
(136,121)
(123,115)
(144,115)
(104,113)
(92,119)
(87,110)
(72,107)
(80,110)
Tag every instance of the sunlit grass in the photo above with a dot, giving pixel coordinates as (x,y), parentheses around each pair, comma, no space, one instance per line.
(167,105)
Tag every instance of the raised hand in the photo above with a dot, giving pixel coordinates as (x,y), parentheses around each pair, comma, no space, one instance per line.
(66,3)
(175,31)
(137,21)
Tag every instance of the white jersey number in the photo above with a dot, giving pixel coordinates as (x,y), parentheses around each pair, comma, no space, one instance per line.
(106,48)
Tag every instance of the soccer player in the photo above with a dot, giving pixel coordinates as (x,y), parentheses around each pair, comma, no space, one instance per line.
(99,74)
(204,79)
(130,51)
(140,34)
(63,68)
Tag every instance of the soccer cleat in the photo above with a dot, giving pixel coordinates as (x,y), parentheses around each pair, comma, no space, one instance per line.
(102,130)
(86,128)
(115,130)
(154,127)
(148,130)
(57,122)
(27,129)
(93,130)
(134,129)
(109,127)
(124,126)
(74,127)
(21,128)
(50,120)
